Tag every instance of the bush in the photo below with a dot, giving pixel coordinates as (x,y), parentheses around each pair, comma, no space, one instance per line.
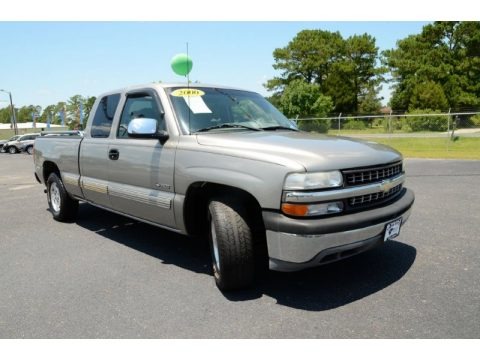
(426,123)
(475,120)
(320,126)
(354,125)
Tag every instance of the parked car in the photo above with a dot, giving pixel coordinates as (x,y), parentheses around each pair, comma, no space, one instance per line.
(23,142)
(223,164)
(3,142)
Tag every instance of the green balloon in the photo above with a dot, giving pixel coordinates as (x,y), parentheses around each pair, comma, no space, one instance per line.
(181,64)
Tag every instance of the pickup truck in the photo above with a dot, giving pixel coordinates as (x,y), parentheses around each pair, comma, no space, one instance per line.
(223,164)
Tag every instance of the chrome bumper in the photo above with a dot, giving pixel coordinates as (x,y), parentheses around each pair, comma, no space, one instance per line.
(295,251)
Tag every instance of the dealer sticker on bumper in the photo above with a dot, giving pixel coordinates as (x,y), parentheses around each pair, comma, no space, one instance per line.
(392,230)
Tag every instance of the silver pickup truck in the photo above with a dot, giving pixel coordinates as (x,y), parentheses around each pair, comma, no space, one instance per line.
(224,164)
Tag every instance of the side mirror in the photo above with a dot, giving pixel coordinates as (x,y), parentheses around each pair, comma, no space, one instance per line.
(146,128)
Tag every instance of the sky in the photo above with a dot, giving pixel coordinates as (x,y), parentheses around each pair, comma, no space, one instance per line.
(42,63)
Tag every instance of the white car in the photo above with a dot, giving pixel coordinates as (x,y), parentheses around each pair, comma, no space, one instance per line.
(23,142)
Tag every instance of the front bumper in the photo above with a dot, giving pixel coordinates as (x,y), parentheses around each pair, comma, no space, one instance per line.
(295,244)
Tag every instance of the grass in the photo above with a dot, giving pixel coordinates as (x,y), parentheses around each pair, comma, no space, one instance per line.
(435,148)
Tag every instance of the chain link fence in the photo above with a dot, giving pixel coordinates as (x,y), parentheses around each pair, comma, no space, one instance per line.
(414,124)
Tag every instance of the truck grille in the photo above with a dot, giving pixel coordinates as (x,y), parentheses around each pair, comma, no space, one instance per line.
(371,199)
(371,175)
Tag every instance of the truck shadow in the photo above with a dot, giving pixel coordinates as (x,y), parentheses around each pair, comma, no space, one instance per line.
(333,285)
(318,289)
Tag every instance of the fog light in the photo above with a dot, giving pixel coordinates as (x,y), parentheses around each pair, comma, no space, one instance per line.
(312,209)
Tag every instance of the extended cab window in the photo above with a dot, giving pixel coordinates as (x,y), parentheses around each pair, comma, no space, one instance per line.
(139,106)
(102,121)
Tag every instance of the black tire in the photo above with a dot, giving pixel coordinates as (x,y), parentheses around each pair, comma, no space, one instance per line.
(12,150)
(62,206)
(231,245)
(29,150)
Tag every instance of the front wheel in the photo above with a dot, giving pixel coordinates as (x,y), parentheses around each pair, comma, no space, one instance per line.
(12,150)
(231,245)
(62,206)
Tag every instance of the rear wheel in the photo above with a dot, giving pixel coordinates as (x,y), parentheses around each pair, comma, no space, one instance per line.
(231,245)
(29,150)
(62,206)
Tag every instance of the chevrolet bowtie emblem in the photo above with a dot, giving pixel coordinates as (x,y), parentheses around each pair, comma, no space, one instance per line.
(386,185)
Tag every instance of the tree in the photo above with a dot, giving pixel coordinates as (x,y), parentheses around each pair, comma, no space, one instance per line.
(24,114)
(309,56)
(73,108)
(5,115)
(344,69)
(303,99)
(445,53)
(88,105)
(428,95)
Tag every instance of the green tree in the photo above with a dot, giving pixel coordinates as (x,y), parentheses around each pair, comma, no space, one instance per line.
(344,69)
(88,105)
(302,99)
(73,108)
(445,53)
(48,112)
(24,114)
(5,115)
(309,56)
(428,95)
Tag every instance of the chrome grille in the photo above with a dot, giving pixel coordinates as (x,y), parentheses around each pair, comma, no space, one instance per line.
(371,199)
(371,175)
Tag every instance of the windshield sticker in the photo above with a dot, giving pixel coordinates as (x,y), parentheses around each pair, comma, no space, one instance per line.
(188,92)
(197,105)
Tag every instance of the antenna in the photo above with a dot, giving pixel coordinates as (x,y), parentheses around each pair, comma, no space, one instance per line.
(188,74)
(188,97)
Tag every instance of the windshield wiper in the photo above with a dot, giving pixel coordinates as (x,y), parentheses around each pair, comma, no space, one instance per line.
(228,125)
(278,127)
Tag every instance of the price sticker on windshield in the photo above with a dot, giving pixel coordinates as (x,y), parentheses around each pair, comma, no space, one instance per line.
(188,92)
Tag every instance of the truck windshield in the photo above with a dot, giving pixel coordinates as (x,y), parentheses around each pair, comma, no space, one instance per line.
(202,109)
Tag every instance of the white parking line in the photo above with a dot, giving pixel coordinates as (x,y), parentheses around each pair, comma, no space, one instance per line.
(21,187)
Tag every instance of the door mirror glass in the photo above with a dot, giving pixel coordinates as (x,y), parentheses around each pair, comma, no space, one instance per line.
(146,128)
(142,127)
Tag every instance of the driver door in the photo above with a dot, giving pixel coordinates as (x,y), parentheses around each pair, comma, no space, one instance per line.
(141,170)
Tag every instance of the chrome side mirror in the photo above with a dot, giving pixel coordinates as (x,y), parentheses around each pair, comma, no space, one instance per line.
(146,128)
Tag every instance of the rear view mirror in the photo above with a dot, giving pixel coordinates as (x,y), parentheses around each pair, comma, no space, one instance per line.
(146,128)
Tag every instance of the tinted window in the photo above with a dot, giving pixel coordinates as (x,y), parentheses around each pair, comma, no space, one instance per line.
(139,106)
(102,121)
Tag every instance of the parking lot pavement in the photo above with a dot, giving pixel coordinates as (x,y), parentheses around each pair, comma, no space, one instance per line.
(107,276)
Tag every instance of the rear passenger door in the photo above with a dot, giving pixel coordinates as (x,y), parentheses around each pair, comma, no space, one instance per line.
(141,173)
(94,160)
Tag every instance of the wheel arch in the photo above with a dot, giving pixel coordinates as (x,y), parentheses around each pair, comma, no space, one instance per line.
(48,168)
(197,197)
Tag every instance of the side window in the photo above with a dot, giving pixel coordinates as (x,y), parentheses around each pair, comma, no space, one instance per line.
(102,121)
(139,106)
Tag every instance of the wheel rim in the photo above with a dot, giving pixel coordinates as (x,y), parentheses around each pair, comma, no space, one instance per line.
(55,197)
(12,150)
(216,256)
(30,150)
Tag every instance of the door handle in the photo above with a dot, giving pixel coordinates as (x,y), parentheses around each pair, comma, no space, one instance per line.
(113,154)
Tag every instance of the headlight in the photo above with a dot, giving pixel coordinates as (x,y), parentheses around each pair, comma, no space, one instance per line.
(319,180)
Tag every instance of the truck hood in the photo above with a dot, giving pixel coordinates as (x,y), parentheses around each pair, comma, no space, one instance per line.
(312,151)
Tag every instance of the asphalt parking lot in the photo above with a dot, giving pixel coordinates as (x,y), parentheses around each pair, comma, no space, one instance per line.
(106,276)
